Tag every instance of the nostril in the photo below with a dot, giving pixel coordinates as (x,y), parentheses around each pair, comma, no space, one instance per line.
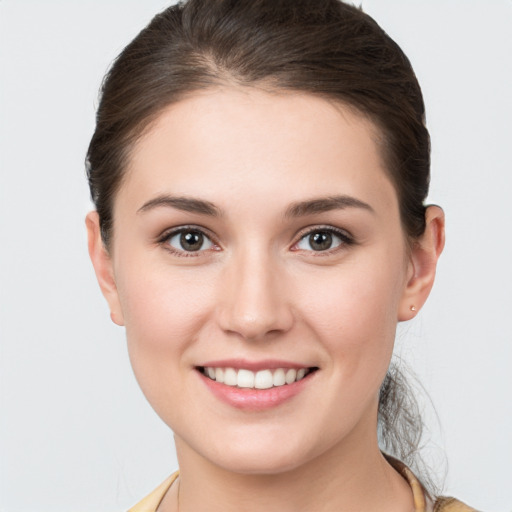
(252,307)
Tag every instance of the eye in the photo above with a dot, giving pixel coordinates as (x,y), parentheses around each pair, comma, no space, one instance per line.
(322,240)
(189,240)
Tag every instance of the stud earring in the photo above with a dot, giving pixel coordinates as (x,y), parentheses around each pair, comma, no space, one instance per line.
(413,308)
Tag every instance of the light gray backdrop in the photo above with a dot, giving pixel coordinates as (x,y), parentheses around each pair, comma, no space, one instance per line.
(75,431)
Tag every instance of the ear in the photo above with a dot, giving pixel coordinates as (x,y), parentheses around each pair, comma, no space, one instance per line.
(102,263)
(422,264)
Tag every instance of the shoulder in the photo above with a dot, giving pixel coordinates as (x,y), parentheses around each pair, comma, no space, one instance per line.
(150,503)
(443,504)
(422,499)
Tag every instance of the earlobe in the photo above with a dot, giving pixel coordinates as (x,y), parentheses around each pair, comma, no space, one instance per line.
(423,262)
(102,263)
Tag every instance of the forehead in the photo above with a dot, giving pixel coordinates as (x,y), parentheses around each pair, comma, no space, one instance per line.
(283,145)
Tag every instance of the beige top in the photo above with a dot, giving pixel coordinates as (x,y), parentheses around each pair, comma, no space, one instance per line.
(421,504)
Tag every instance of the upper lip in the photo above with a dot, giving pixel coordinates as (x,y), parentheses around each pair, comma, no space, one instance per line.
(264,364)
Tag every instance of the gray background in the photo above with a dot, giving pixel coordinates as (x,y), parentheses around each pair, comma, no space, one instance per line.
(75,432)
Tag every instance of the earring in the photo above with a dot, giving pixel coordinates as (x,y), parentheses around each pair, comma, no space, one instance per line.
(413,308)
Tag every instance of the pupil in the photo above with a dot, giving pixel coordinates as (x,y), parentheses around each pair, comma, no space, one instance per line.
(191,240)
(320,241)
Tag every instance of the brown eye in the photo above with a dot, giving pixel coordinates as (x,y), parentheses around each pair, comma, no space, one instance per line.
(190,240)
(322,240)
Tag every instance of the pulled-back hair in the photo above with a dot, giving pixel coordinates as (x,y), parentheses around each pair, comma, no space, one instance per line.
(322,47)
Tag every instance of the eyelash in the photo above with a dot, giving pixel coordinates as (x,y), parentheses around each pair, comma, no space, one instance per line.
(168,235)
(346,240)
(344,236)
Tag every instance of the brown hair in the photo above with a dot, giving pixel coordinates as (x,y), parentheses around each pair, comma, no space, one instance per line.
(321,47)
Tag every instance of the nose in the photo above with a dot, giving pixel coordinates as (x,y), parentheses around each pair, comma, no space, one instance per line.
(253,301)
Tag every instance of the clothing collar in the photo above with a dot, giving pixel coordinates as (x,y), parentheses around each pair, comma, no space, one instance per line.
(421,501)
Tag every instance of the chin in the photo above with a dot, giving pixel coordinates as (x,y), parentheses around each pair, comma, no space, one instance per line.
(260,463)
(258,454)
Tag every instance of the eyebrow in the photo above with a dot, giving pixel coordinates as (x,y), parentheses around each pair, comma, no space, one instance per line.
(298,209)
(325,204)
(186,204)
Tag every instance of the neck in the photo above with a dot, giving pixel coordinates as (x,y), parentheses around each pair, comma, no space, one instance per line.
(351,476)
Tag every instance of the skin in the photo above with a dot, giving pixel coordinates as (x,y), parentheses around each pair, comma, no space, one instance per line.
(259,291)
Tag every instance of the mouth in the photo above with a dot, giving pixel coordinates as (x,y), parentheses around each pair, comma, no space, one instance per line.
(266,378)
(260,387)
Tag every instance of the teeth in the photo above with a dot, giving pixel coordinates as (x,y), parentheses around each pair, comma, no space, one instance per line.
(263,379)
(279,378)
(219,375)
(245,379)
(301,373)
(230,377)
(291,375)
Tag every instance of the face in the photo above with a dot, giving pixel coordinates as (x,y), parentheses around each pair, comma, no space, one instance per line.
(257,241)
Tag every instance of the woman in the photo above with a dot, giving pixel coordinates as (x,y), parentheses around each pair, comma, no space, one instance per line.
(259,171)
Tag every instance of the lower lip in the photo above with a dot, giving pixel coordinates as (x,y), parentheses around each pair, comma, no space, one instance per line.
(256,399)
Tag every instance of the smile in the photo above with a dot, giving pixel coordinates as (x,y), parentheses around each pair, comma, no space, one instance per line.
(255,386)
(262,379)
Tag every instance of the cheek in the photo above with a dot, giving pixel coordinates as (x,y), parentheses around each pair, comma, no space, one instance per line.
(355,307)
(355,319)
(160,302)
(163,314)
